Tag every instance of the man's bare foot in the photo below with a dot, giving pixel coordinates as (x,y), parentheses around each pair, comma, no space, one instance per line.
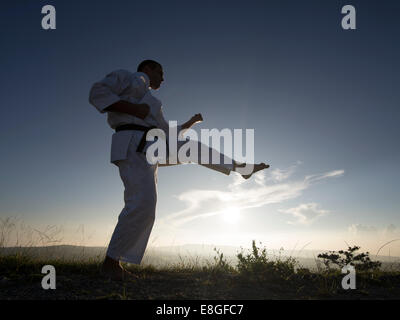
(256,168)
(113,270)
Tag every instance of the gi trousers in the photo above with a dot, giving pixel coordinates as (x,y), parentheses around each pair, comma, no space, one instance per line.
(135,222)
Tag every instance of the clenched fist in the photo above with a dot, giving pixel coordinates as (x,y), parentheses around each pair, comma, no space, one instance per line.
(197,118)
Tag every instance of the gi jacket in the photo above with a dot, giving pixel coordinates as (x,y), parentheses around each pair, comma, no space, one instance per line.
(132,87)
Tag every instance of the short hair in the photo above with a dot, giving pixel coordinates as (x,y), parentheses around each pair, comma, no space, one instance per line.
(151,63)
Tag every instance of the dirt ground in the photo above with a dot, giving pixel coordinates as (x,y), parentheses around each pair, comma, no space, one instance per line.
(172,285)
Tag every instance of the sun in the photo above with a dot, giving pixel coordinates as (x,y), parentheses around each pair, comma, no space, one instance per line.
(231,215)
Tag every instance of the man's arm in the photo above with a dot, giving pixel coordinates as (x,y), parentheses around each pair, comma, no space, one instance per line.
(193,120)
(140,110)
(105,94)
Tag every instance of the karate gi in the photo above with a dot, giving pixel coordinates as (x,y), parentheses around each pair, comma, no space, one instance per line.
(135,222)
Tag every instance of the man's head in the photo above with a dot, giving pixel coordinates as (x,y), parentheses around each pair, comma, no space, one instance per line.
(154,71)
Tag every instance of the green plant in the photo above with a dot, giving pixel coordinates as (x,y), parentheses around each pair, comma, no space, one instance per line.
(361,261)
(259,265)
(220,265)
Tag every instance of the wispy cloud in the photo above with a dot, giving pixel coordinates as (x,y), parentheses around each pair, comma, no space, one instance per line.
(263,189)
(278,175)
(358,229)
(305,213)
(370,231)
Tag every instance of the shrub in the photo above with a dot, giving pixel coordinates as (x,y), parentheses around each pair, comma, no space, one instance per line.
(361,261)
(258,264)
(220,265)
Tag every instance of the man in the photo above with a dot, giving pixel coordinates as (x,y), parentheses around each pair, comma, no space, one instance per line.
(132,111)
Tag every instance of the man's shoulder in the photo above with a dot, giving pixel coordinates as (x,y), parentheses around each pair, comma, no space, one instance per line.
(123,72)
(126,74)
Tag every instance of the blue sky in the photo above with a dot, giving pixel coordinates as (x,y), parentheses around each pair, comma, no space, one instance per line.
(323,103)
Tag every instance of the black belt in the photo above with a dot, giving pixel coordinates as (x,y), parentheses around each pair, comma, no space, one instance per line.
(136,127)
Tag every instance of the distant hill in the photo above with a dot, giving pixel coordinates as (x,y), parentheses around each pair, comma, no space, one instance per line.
(65,252)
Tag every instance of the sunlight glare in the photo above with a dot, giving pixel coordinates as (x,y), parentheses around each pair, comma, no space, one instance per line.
(231,215)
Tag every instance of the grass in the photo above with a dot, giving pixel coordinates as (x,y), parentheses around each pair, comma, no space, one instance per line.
(254,275)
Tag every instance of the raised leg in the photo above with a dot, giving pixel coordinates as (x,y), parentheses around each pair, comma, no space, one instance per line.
(196,152)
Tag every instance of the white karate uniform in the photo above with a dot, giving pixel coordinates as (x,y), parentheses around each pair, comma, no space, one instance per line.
(135,222)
